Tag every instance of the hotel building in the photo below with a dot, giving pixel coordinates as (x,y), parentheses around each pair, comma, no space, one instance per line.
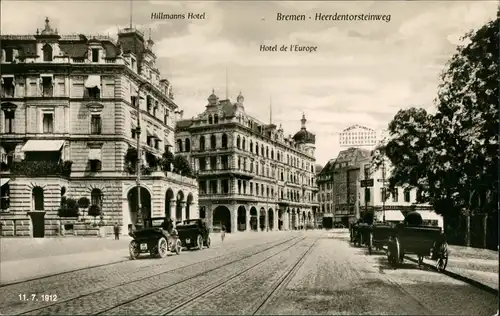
(251,176)
(69,130)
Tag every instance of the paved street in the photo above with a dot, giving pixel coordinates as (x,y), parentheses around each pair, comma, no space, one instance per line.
(313,272)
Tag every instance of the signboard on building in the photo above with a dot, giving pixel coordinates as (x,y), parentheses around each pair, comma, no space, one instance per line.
(368,183)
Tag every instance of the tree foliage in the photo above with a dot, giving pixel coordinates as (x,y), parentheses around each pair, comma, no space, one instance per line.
(182,166)
(452,156)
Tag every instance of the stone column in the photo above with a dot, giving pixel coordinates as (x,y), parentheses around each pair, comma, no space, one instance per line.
(172,211)
(234,221)
(247,221)
(266,227)
(258,220)
(276,220)
(183,210)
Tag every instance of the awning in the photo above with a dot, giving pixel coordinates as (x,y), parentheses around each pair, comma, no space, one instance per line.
(93,81)
(95,154)
(43,145)
(429,215)
(4,181)
(7,76)
(47,75)
(391,216)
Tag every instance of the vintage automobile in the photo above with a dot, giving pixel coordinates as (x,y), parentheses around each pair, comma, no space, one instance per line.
(194,233)
(157,238)
(411,237)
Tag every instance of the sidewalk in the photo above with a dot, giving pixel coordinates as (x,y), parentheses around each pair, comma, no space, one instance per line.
(28,258)
(473,265)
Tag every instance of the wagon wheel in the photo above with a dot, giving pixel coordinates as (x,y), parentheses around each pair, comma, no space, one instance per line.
(370,244)
(199,242)
(133,249)
(420,260)
(442,260)
(393,252)
(178,247)
(162,247)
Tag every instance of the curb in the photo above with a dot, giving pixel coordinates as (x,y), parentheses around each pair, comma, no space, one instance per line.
(462,278)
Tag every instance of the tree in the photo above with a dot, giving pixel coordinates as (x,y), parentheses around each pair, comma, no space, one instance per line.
(83,202)
(166,161)
(454,152)
(94,211)
(182,166)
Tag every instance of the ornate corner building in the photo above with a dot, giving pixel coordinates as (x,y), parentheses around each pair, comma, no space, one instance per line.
(69,124)
(251,177)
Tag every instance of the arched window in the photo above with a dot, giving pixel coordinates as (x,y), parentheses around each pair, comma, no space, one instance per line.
(179,145)
(47,52)
(267,152)
(224,141)
(216,119)
(251,146)
(257,148)
(96,197)
(262,150)
(210,119)
(202,143)
(213,141)
(187,144)
(243,145)
(37,199)
(238,142)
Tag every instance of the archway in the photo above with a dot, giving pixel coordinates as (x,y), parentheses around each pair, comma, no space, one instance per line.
(294,219)
(280,219)
(242,218)
(253,218)
(262,218)
(190,200)
(179,203)
(137,218)
(221,216)
(169,196)
(270,216)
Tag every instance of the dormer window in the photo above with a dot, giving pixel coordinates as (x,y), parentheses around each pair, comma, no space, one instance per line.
(95,55)
(47,52)
(9,54)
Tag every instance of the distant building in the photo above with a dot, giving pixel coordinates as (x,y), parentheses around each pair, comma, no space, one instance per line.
(325,187)
(68,121)
(359,136)
(251,176)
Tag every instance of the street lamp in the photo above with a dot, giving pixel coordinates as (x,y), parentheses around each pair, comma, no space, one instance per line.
(138,160)
(383,190)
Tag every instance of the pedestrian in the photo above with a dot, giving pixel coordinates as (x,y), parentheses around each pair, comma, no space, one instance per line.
(223,232)
(116,230)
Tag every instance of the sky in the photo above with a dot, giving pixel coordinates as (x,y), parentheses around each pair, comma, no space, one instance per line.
(362,72)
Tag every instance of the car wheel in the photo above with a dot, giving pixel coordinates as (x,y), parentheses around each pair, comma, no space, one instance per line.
(133,249)
(162,247)
(208,242)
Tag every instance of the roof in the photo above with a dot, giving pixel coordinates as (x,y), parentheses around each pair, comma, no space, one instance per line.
(353,155)
(328,168)
(304,136)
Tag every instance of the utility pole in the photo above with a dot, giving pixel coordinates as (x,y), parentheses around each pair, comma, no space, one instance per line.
(384,195)
(138,161)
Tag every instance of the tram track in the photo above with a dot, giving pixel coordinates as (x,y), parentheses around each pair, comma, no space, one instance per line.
(58,307)
(245,281)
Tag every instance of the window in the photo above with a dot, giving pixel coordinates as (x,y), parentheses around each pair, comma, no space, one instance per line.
(213,163)
(383,195)
(165,118)
(47,87)
(243,145)
(238,142)
(9,121)
(213,142)
(47,52)
(179,145)
(395,194)
(210,119)
(224,162)
(267,152)
(407,195)
(132,63)
(48,123)
(203,164)
(251,188)
(95,165)
(9,55)
(203,187)
(202,143)
(272,154)
(8,87)
(216,119)
(37,199)
(224,141)
(225,186)
(419,195)
(95,93)
(251,146)
(187,145)
(367,195)
(213,186)
(95,124)
(96,197)
(149,103)
(95,55)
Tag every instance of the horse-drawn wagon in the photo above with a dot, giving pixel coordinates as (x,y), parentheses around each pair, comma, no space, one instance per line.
(157,238)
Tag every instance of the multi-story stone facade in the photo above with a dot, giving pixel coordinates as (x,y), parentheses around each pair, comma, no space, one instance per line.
(69,129)
(359,136)
(395,204)
(251,176)
(325,186)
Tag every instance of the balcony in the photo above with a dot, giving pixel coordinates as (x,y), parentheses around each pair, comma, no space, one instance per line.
(41,168)
(226,171)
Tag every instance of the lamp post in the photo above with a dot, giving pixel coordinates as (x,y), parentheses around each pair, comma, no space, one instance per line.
(138,160)
(383,190)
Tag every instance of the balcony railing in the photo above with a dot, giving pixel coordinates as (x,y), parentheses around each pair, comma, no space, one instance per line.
(42,168)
